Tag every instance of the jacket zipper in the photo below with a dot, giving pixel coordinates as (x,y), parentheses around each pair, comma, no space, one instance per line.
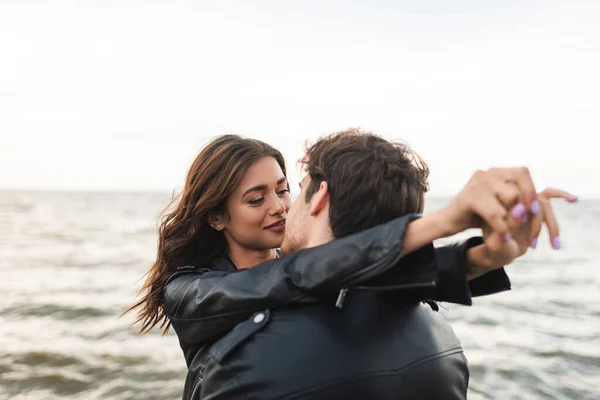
(197,386)
(420,285)
(339,303)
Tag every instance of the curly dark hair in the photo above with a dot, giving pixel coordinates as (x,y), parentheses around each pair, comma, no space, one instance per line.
(370,180)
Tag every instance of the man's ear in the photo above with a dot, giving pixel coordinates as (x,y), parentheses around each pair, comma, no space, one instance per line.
(216,221)
(319,200)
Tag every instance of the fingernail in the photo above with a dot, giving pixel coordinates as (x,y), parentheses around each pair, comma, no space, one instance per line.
(526,218)
(574,198)
(556,243)
(518,211)
(506,237)
(534,243)
(535,207)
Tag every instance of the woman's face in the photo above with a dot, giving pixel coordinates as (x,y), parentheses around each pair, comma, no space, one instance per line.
(257,209)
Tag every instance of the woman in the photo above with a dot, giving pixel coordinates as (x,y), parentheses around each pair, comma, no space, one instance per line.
(221,216)
(229,218)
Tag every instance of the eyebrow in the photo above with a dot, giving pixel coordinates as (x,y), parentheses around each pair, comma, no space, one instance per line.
(263,187)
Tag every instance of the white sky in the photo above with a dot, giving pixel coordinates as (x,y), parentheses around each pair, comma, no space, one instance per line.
(120,95)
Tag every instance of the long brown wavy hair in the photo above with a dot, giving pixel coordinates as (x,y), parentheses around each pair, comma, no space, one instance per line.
(184,235)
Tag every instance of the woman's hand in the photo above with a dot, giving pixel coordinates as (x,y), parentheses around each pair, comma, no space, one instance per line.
(524,229)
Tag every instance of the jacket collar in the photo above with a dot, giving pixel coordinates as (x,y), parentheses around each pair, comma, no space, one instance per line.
(225,263)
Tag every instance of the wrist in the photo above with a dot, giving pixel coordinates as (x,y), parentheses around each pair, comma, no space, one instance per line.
(439,224)
(421,232)
(478,261)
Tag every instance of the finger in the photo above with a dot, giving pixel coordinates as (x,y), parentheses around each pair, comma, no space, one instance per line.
(549,193)
(508,194)
(550,221)
(520,227)
(500,250)
(552,193)
(515,216)
(522,178)
(535,226)
(487,206)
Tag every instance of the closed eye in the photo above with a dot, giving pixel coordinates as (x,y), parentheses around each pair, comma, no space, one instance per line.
(256,202)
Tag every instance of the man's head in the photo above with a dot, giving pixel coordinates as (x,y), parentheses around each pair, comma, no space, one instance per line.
(354,180)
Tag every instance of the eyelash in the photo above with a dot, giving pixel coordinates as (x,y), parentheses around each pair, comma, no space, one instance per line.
(258,202)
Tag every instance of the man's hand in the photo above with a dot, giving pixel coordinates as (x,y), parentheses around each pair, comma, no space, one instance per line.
(524,227)
(486,202)
(487,199)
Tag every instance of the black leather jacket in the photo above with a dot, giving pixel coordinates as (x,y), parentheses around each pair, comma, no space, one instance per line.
(204,304)
(374,348)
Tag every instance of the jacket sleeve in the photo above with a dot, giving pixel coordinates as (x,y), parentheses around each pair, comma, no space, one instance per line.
(452,275)
(203,306)
(439,275)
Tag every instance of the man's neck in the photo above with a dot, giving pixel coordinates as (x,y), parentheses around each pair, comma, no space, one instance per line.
(319,236)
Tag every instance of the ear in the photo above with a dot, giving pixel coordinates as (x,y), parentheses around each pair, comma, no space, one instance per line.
(319,200)
(216,222)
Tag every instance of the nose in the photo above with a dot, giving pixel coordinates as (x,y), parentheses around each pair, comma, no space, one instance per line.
(278,207)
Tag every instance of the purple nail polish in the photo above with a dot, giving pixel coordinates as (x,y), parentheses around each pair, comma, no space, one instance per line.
(526,218)
(506,237)
(518,211)
(556,243)
(535,207)
(534,243)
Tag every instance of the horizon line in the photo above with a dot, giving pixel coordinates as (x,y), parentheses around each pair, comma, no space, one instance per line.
(156,191)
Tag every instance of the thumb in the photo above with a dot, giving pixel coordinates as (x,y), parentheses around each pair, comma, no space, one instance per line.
(501,250)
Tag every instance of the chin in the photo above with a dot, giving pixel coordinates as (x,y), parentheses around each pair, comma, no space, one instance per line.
(271,244)
(287,247)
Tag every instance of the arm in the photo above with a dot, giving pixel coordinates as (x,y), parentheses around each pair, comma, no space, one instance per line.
(464,270)
(438,275)
(206,305)
(201,306)
(456,265)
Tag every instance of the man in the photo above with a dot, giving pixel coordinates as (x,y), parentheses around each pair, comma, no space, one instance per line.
(373,339)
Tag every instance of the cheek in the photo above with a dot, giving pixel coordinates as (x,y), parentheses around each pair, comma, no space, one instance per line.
(287,202)
(293,209)
(244,218)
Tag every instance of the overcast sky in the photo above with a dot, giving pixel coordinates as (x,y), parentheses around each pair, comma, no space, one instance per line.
(121,95)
